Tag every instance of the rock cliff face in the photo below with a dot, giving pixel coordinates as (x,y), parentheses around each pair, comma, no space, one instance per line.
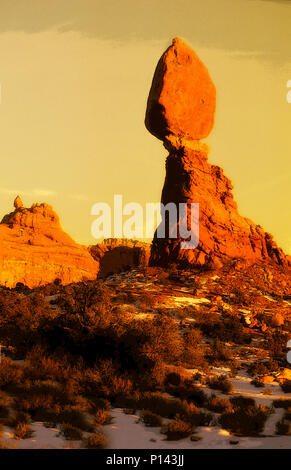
(181,111)
(35,250)
(117,255)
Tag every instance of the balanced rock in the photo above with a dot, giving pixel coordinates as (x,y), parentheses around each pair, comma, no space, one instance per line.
(182,98)
(34,250)
(181,108)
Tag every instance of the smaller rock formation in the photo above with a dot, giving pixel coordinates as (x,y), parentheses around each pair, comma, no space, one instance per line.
(34,250)
(116,255)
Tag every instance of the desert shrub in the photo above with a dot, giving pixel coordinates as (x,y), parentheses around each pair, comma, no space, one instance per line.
(146,301)
(173,378)
(96,440)
(259,368)
(241,401)
(102,417)
(286,386)
(10,373)
(219,353)
(22,431)
(219,405)
(221,383)
(194,351)
(177,429)
(188,391)
(282,403)
(288,414)
(283,428)
(228,329)
(257,383)
(276,346)
(238,297)
(246,420)
(22,318)
(18,418)
(5,403)
(161,404)
(71,432)
(79,298)
(151,419)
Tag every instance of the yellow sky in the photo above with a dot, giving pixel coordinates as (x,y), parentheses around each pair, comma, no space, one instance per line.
(75,78)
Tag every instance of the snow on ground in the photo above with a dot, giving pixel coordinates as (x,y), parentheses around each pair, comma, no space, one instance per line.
(125,432)
(42,438)
(183,301)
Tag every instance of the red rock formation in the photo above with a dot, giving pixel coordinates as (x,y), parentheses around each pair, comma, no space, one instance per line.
(117,255)
(35,250)
(223,232)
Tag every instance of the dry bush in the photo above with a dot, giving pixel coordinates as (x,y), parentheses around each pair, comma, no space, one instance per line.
(286,386)
(96,440)
(283,428)
(102,417)
(194,352)
(257,383)
(71,432)
(20,422)
(219,353)
(146,301)
(221,383)
(241,401)
(229,329)
(177,429)
(5,403)
(22,431)
(151,419)
(173,378)
(245,421)
(219,405)
(259,368)
(282,403)
(276,346)
(10,373)
(188,391)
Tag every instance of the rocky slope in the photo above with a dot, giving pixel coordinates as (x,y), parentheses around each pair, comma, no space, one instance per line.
(35,250)
(180,111)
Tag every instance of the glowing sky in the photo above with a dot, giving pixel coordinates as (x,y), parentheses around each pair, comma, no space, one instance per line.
(75,75)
